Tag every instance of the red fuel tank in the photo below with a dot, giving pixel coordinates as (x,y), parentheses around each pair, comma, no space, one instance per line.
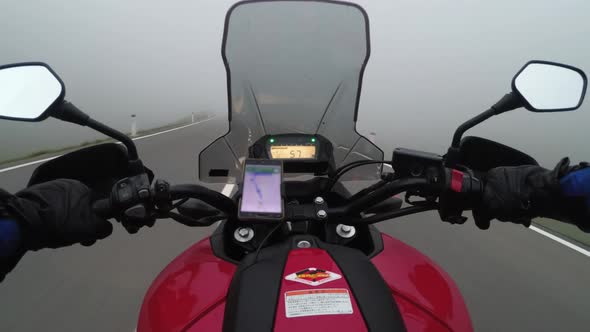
(427,297)
(190,291)
(189,294)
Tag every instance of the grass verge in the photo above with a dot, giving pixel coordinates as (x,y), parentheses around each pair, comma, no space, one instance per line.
(46,153)
(566,231)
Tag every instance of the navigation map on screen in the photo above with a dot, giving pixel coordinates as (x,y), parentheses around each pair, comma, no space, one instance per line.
(262,189)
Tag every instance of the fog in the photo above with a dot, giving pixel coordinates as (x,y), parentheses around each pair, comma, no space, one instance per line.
(433,65)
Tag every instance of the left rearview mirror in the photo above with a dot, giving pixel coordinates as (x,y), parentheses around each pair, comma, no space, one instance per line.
(28,91)
(32,91)
(550,87)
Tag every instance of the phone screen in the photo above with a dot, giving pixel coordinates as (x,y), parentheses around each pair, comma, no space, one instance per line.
(261,190)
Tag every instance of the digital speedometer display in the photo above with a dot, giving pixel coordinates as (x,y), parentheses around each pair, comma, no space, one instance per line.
(293,151)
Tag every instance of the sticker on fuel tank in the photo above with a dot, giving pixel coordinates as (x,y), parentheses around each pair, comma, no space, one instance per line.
(313,276)
(317,302)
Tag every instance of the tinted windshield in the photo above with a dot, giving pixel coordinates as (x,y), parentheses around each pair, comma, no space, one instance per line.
(293,67)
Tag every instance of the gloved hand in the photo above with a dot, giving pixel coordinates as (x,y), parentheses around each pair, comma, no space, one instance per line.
(47,215)
(56,214)
(519,194)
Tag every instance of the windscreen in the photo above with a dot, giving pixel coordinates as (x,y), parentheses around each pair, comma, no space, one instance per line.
(292,67)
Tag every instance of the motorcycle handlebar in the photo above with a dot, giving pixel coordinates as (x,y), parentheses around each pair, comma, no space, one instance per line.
(105,209)
(465,183)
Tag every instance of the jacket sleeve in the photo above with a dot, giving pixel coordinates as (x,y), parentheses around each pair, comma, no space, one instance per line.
(11,250)
(575,187)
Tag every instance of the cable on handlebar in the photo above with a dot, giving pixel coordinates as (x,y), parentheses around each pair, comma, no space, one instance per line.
(397,213)
(369,189)
(348,167)
(352,163)
(398,186)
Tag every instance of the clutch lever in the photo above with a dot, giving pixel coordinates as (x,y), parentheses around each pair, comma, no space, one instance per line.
(192,222)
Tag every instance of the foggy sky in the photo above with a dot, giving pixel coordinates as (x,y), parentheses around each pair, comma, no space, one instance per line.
(433,65)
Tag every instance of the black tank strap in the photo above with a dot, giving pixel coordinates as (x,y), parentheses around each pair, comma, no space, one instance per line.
(253,294)
(372,294)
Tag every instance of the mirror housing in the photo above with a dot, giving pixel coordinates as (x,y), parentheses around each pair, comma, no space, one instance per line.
(529,84)
(29,91)
(544,86)
(481,155)
(22,82)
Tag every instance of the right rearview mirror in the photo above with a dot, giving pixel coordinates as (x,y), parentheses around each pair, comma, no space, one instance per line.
(550,87)
(28,91)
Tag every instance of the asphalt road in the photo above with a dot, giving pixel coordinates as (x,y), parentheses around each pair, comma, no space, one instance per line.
(512,279)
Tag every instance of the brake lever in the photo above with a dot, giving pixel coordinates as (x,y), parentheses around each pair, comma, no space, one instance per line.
(428,199)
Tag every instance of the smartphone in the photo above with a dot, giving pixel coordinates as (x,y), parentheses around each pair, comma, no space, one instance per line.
(262,194)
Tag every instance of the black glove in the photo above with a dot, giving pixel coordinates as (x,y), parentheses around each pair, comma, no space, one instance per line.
(56,214)
(519,194)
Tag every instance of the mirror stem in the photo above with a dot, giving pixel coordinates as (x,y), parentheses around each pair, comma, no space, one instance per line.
(119,136)
(70,113)
(507,103)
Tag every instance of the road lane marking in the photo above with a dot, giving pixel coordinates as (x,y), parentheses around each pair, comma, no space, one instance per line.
(227,189)
(28,164)
(561,241)
(135,139)
(173,129)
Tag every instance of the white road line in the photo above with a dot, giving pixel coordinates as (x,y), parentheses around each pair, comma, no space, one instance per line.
(135,139)
(561,241)
(227,189)
(28,164)
(173,129)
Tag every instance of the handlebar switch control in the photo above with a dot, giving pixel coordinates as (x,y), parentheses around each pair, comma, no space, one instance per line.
(124,192)
(136,212)
(130,191)
(162,196)
(413,163)
(144,194)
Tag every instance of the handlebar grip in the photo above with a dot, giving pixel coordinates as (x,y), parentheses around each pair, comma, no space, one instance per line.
(462,182)
(103,208)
